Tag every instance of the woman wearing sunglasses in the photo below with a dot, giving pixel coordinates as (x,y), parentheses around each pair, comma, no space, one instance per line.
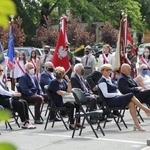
(143,79)
(115,99)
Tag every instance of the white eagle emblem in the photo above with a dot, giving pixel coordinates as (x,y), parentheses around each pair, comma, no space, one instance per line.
(61,52)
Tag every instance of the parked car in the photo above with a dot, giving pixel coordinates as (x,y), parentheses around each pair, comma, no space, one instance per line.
(141,48)
(27,51)
(97,49)
(51,50)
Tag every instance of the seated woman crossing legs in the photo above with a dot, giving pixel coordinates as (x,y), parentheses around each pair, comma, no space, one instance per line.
(115,99)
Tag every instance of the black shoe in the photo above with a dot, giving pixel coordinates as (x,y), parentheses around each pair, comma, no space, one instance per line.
(79,126)
(55,119)
(111,116)
(38,121)
(116,113)
(107,120)
(72,128)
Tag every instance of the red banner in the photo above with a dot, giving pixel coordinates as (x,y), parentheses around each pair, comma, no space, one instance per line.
(60,57)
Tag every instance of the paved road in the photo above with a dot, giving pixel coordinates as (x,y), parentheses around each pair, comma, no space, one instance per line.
(59,138)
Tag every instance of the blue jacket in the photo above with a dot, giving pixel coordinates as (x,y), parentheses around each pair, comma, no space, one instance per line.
(27,87)
(45,79)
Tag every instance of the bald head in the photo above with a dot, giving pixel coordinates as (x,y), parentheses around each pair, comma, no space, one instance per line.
(126,69)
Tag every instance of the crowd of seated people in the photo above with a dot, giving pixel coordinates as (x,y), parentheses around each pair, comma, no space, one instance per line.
(127,92)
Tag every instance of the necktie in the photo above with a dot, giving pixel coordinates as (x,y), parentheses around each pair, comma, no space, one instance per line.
(44,60)
(86,61)
(83,85)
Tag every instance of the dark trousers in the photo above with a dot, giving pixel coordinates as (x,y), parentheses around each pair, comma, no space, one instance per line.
(71,106)
(143,96)
(19,106)
(37,101)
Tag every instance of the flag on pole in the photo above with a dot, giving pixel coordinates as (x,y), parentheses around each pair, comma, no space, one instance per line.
(63,27)
(120,49)
(128,38)
(10,52)
(124,39)
(1,54)
(116,62)
(60,57)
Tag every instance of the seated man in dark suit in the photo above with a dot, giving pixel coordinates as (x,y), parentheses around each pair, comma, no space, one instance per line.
(126,84)
(47,75)
(31,91)
(92,80)
(77,81)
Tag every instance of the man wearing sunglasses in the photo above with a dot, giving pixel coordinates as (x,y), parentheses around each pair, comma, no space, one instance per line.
(127,84)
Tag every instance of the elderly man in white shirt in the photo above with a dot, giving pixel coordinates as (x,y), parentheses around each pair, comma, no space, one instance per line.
(10,99)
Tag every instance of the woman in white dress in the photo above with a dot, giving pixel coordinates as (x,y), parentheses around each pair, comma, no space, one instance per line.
(145,58)
(19,66)
(36,63)
(106,57)
(143,79)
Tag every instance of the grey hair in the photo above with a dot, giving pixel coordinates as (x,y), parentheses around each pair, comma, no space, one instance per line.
(77,66)
(48,63)
(27,64)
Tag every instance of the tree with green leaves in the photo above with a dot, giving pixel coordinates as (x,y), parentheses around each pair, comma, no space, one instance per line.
(33,12)
(29,11)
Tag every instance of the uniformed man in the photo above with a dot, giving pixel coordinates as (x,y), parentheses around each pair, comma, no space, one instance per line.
(45,57)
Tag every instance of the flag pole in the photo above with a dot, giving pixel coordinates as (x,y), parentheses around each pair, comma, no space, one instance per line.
(13,79)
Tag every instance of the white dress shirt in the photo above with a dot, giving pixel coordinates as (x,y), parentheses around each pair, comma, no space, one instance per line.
(5,92)
(104,89)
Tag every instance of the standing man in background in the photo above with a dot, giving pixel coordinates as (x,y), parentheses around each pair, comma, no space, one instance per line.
(45,57)
(131,59)
(88,61)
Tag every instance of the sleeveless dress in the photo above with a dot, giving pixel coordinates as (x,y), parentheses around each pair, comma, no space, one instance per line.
(146,81)
(120,101)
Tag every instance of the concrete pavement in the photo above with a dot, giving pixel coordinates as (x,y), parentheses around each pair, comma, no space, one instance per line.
(59,138)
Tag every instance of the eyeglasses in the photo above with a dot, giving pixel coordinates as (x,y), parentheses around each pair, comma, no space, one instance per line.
(108,69)
(1,70)
(144,69)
